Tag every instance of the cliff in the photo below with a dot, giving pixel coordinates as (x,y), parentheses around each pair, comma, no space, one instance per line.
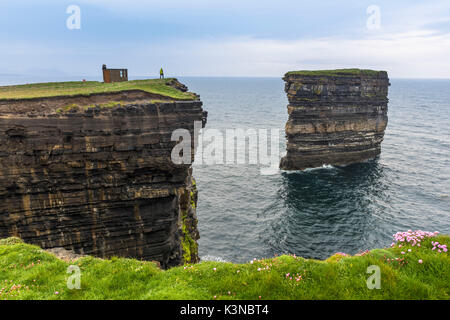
(98,179)
(336,117)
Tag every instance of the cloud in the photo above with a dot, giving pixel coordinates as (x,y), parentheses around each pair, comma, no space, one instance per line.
(409,44)
(415,54)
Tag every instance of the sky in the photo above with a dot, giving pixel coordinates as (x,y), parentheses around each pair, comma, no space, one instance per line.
(249,38)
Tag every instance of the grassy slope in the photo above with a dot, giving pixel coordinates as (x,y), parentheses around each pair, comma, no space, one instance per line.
(41,275)
(337,72)
(52,89)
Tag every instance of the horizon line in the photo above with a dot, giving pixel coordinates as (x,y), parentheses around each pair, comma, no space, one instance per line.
(134,77)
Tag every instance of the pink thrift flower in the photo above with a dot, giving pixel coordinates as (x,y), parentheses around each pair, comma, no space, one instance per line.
(420,261)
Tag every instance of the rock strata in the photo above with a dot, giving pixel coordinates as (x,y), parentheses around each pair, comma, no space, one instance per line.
(100,181)
(336,117)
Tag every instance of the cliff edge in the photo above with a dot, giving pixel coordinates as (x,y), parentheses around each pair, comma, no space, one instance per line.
(91,172)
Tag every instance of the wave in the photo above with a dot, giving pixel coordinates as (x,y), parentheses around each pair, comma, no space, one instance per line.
(212,258)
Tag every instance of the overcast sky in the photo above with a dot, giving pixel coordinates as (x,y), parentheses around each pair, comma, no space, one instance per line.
(225,38)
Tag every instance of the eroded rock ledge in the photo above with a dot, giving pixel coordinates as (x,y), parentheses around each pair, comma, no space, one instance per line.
(100,181)
(336,117)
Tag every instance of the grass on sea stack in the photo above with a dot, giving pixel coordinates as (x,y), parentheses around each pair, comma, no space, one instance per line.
(335,73)
(410,269)
(73,88)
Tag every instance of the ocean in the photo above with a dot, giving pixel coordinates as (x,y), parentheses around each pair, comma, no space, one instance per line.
(318,212)
(243,214)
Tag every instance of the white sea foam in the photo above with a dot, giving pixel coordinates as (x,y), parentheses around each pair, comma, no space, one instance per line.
(212,258)
(325,166)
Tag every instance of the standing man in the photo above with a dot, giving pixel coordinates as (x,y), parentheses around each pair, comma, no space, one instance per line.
(161,74)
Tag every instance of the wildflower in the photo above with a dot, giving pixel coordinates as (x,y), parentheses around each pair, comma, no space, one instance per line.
(56,292)
(214,269)
(409,250)
(420,261)
(403,252)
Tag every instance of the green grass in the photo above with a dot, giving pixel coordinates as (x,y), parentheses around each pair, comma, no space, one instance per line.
(53,89)
(336,72)
(107,105)
(40,275)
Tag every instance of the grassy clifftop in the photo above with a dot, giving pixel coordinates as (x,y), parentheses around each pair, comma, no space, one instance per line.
(74,88)
(336,72)
(408,270)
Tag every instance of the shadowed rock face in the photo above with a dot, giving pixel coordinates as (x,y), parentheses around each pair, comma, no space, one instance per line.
(101,181)
(334,119)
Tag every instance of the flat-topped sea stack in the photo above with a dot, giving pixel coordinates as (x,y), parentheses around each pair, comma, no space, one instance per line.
(336,117)
(86,166)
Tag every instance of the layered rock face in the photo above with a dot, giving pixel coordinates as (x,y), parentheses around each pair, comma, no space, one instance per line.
(100,181)
(336,117)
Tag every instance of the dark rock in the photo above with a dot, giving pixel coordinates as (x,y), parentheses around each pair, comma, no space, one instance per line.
(335,119)
(174,83)
(102,184)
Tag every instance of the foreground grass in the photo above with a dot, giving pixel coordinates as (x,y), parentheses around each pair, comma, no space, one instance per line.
(53,89)
(28,272)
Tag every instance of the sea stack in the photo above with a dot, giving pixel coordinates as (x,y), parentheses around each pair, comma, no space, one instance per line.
(96,177)
(336,117)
